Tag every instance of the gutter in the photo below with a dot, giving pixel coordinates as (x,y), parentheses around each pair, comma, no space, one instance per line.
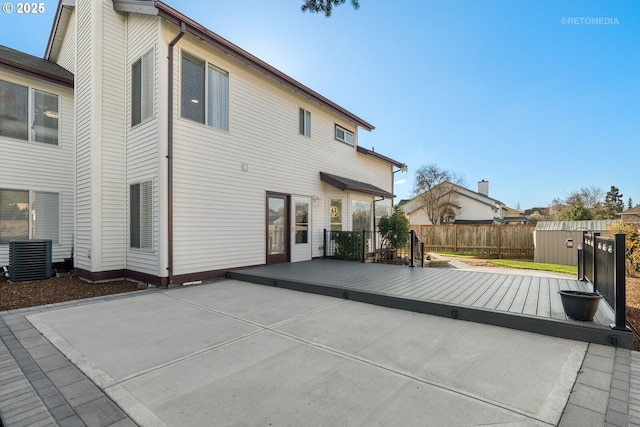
(172,43)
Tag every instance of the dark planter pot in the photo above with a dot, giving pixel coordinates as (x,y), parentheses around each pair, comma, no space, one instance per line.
(580,305)
(68,264)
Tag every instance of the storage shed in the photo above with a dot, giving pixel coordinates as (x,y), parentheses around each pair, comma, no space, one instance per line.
(550,239)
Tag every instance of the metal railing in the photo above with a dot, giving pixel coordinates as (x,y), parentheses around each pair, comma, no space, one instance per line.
(372,247)
(601,261)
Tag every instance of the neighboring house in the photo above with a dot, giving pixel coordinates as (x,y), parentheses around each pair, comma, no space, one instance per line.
(180,156)
(457,204)
(631,216)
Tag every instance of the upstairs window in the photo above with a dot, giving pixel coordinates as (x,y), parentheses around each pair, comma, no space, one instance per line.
(142,88)
(30,118)
(205,93)
(344,135)
(141,215)
(305,122)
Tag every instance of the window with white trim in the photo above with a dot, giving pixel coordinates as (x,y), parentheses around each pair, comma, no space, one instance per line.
(304,126)
(344,135)
(205,93)
(30,118)
(28,214)
(141,215)
(142,88)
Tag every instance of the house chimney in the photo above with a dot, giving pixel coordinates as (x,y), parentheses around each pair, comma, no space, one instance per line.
(483,187)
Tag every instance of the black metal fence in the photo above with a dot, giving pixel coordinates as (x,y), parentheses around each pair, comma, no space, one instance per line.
(601,261)
(369,246)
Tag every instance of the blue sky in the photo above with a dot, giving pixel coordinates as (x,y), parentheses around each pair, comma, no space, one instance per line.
(540,98)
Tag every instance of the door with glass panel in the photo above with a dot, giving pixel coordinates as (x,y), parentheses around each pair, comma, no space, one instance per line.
(300,228)
(277,228)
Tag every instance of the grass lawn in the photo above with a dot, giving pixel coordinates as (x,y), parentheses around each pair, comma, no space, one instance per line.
(525,265)
(530,265)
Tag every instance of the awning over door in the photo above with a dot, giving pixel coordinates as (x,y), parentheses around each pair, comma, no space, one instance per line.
(346,184)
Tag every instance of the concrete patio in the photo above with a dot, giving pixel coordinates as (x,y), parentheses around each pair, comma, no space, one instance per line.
(236,353)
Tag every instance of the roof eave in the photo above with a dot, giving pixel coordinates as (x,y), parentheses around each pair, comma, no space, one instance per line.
(378,156)
(197,30)
(34,72)
(59,26)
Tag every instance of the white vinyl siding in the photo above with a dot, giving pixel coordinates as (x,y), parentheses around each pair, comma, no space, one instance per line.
(50,172)
(142,88)
(219,207)
(20,112)
(67,55)
(145,142)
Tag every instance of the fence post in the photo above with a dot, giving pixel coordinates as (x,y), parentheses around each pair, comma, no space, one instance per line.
(620,282)
(412,236)
(324,243)
(594,264)
(364,245)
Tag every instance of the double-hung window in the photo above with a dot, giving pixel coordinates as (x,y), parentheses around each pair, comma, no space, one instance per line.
(142,88)
(344,135)
(28,214)
(304,127)
(141,215)
(28,114)
(205,93)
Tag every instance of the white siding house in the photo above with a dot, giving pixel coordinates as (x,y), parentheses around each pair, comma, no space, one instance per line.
(193,157)
(37,146)
(457,204)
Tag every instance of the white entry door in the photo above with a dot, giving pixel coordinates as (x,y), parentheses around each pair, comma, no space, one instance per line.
(300,228)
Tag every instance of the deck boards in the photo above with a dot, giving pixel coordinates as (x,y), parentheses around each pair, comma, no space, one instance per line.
(515,294)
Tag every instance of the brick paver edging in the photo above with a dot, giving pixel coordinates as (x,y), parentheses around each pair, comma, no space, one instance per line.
(39,386)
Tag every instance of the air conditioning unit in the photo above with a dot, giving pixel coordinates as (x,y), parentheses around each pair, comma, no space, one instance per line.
(29,260)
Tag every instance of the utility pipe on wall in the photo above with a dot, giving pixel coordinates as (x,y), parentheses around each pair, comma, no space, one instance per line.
(172,43)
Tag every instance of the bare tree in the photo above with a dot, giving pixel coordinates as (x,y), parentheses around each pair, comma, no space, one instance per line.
(326,6)
(590,197)
(435,192)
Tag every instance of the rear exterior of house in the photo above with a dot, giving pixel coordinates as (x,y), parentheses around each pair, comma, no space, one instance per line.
(185,168)
(37,153)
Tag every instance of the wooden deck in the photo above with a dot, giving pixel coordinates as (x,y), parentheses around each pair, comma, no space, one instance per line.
(528,303)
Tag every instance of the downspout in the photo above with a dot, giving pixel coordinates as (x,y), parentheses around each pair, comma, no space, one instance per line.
(172,43)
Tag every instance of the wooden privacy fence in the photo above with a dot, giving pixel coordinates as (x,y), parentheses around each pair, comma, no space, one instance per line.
(501,241)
